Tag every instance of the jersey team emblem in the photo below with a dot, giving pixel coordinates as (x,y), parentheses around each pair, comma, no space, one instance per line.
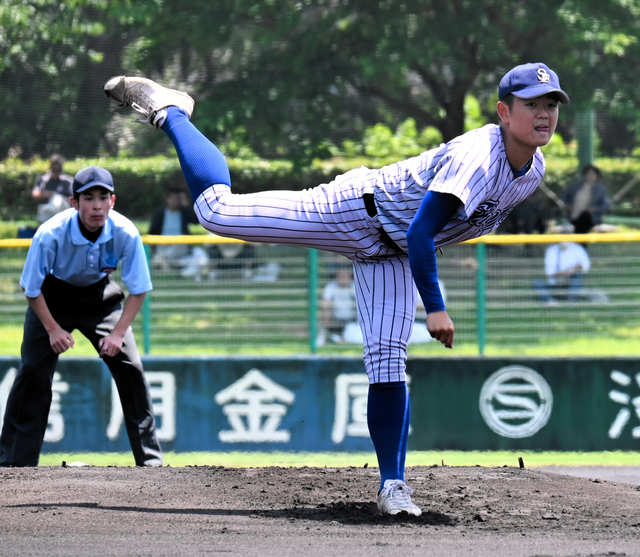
(487,216)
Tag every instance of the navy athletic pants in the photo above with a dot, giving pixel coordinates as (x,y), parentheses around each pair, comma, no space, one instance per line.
(27,410)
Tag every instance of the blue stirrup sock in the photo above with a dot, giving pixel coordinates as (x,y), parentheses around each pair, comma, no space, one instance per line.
(203,165)
(388,418)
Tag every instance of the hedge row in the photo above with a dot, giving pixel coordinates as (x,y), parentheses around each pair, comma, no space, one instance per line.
(141,183)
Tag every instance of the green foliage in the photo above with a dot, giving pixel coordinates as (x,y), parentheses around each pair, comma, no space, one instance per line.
(380,142)
(289,79)
(9,228)
(48,85)
(558,148)
(474,116)
(141,182)
(302,76)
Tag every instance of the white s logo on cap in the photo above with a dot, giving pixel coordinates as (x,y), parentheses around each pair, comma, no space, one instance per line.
(543,76)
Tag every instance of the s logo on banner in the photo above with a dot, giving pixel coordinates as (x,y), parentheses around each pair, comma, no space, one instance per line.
(516,402)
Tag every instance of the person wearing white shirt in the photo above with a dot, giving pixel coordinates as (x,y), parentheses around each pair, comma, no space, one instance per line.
(338,305)
(564,264)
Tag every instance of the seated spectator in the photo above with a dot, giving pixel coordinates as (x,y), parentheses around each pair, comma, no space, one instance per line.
(173,220)
(586,200)
(52,190)
(338,305)
(345,327)
(564,264)
(234,260)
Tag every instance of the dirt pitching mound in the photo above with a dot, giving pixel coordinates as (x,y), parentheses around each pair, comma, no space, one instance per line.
(316,511)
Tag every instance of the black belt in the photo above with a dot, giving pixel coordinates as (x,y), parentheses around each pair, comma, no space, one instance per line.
(372,211)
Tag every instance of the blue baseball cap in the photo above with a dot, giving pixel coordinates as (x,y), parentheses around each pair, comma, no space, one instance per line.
(90,177)
(531,80)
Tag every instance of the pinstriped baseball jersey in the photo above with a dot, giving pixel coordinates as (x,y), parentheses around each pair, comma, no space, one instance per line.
(474,168)
(333,217)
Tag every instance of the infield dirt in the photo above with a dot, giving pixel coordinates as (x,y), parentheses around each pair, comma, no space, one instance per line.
(273,511)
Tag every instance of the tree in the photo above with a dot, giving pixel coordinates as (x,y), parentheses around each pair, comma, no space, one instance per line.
(54,57)
(298,72)
(287,77)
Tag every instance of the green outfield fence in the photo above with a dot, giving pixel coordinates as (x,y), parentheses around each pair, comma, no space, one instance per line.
(268,301)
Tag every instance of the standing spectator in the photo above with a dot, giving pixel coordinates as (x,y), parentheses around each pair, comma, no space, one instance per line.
(586,200)
(68,285)
(174,217)
(52,190)
(527,218)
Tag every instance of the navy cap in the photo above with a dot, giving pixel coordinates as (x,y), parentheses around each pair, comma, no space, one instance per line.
(90,177)
(531,80)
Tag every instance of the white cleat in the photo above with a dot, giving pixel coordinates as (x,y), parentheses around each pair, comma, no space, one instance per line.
(147,97)
(395,498)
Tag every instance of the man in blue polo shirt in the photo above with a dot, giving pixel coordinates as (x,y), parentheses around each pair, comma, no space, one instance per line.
(67,282)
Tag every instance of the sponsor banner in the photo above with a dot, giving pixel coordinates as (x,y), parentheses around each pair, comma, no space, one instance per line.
(564,404)
(320,404)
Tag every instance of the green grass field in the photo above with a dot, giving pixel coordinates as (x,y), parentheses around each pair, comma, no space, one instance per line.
(339,460)
(623,344)
(230,316)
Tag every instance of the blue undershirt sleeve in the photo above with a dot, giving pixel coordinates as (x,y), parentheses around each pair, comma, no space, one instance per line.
(434,213)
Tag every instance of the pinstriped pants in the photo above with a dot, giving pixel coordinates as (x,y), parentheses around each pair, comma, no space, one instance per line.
(332,217)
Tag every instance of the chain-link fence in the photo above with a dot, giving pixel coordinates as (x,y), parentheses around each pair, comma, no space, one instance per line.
(229,297)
